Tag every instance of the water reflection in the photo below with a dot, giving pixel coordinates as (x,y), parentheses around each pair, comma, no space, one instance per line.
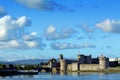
(65,75)
(16,76)
(73,73)
(78,73)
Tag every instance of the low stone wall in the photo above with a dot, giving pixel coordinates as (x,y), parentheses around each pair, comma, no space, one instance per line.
(85,67)
(82,67)
(73,67)
(69,67)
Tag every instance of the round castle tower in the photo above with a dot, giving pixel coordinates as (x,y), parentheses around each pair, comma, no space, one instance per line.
(102,62)
(62,64)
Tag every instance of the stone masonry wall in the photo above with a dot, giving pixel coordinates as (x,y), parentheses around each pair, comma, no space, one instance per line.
(75,66)
(93,67)
(69,67)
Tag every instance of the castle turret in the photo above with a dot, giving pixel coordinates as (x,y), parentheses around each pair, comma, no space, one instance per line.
(61,56)
(102,62)
(63,66)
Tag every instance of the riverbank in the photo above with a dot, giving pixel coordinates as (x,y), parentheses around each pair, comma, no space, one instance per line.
(113,70)
(108,70)
(17,72)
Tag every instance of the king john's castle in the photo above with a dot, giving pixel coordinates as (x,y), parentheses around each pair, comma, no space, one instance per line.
(84,63)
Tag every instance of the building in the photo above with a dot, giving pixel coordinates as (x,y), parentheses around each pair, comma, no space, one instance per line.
(114,62)
(84,63)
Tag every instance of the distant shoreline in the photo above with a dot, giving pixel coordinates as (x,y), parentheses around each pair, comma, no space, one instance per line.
(17,72)
(35,72)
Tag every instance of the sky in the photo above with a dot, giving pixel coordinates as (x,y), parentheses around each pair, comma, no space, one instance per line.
(43,29)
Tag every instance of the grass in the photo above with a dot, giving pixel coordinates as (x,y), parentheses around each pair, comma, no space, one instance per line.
(115,69)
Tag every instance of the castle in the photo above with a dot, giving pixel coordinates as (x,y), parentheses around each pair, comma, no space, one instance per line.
(84,63)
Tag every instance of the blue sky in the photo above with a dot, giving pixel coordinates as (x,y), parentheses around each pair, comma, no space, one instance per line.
(32,29)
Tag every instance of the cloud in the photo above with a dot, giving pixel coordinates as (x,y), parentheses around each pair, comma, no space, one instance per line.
(17,44)
(35,44)
(32,40)
(2,11)
(50,29)
(84,27)
(49,5)
(109,26)
(13,35)
(63,46)
(12,28)
(69,31)
(30,37)
(52,34)
(88,31)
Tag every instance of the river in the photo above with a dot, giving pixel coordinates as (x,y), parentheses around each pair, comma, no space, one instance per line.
(63,76)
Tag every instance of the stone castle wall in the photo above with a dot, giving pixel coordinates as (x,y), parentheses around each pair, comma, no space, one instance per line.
(82,67)
(69,67)
(85,67)
(75,66)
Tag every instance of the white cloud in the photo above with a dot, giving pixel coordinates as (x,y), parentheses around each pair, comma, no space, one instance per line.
(30,37)
(14,43)
(10,44)
(34,33)
(85,28)
(21,44)
(36,4)
(109,26)
(48,5)
(69,31)
(23,21)
(51,33)
(50,29)
(63,46)
(2,11)
(12,28)
(27,37)
(33,44)
(13,35)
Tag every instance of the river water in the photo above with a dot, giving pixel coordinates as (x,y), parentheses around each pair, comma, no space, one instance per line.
(64,76)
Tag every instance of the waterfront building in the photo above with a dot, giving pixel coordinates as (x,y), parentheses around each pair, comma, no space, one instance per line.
(84,63)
